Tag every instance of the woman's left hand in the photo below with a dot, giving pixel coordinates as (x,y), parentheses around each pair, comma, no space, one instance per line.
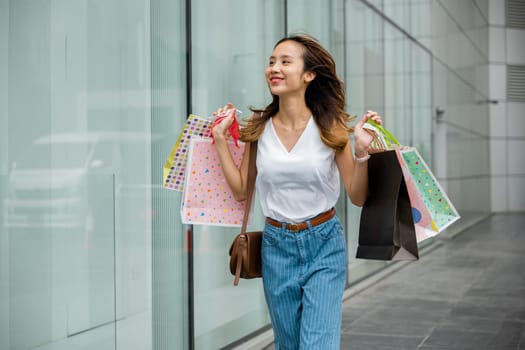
(363,138)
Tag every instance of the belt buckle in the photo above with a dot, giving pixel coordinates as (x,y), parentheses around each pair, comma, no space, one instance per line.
(294,227)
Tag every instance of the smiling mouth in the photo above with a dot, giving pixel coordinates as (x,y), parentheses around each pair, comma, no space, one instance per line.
(275,80)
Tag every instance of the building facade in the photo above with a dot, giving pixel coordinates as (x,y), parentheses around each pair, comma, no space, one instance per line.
(93,95)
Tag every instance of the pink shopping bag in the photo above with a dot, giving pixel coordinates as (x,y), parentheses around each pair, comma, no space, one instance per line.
(207,199)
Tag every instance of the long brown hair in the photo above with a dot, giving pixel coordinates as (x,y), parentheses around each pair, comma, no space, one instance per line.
(324,96)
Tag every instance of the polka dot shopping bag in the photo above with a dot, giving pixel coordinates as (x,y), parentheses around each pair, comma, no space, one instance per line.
(207,199)
(175,166)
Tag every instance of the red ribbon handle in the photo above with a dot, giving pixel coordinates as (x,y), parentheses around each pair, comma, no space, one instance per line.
(233,129)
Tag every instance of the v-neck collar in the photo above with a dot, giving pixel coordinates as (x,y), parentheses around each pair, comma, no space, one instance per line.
(298,139)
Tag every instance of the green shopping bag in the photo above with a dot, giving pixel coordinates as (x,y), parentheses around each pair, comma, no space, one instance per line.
(436,200)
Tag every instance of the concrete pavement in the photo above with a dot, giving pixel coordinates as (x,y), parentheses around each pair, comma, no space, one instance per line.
(469,293)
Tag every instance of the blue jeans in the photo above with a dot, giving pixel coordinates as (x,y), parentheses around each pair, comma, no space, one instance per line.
(304,277)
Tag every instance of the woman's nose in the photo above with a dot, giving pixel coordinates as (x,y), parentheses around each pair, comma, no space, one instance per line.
(275,67)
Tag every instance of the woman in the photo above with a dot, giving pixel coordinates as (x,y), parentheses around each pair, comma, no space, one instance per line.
(303,150)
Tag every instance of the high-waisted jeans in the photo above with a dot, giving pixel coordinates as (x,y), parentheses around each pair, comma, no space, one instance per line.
(304,277)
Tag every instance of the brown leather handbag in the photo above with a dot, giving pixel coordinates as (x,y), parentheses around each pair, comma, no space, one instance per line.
(245,251)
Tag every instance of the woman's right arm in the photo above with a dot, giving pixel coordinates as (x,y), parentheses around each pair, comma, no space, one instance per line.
(235,177)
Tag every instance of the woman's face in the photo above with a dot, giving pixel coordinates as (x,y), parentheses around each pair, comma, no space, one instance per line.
(285,72)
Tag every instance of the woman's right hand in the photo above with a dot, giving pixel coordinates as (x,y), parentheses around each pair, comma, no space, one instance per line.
(224,120)
(219,130)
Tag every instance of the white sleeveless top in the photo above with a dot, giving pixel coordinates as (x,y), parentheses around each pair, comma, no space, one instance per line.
(297,185)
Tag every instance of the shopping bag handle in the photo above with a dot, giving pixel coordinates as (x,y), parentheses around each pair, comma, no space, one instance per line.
(252,174)
(383,139)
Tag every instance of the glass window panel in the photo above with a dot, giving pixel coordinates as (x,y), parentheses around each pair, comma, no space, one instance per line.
(460,143)
(421,21)
(397,85)
(472,21)
(4,249)
(421,101)
(238,47)
(75,175)
(321,19)
(365,90)
(168,114)
(399,12)
(230,51)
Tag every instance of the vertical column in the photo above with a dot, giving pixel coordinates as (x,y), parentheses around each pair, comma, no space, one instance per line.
(169,93)
(515,102)
(498,111)
(4,252)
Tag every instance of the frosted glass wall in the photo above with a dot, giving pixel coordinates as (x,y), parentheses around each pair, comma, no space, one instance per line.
(230,50)
(78,182)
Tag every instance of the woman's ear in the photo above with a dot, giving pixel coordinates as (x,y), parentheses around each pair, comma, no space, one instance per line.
(309,76)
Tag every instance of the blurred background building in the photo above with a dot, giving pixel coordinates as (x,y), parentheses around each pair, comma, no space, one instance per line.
(93,94)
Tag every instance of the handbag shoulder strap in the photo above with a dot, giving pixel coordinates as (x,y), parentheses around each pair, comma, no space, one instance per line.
(250,189)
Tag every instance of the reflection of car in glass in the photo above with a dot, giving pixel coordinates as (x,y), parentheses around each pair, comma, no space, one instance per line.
(78,205)
(55,181)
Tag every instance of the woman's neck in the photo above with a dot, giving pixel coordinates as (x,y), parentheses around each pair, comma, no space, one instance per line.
(293,112)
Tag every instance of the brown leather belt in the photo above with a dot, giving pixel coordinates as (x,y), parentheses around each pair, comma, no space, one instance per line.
(317,220)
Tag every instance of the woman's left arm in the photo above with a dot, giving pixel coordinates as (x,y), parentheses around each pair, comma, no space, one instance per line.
(354,172)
